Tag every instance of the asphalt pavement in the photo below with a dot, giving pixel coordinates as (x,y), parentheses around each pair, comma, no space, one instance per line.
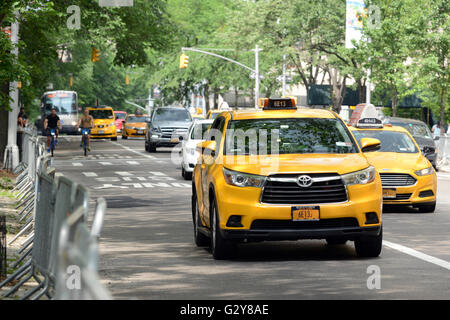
(147,249)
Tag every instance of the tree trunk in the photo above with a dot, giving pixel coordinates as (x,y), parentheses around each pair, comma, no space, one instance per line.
(206,95)
(394,103)
(361,91)
(443,98)
(216,98)
(236,97)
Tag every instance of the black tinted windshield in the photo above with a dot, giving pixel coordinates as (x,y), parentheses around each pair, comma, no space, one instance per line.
(416,129)
(391,141)
(288,136)
(172,114)
(137,119)
(101,114)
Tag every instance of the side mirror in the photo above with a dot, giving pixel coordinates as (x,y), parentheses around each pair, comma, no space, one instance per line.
(370,144)
(207,148)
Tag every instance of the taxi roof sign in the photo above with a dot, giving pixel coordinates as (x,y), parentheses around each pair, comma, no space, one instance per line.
(365,116)
(279,104)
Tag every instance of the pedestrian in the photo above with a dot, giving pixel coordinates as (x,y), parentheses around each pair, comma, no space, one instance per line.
(436,129)
(21,124)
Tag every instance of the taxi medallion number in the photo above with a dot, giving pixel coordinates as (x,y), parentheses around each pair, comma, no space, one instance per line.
(389,193)
(306,213)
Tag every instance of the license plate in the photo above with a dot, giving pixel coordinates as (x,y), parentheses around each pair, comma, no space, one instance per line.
(174,140)
(306,213)
(101,131)
(139,132)
(389,193)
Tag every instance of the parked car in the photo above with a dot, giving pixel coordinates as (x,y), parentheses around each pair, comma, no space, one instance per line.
(166,126)
(120,119)
(421,133)
(188,151)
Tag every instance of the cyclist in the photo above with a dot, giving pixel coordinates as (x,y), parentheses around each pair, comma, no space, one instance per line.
(86,122)
(52,121)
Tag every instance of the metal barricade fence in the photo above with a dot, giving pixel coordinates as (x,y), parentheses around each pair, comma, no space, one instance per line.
(55,204)
(2,247)
(443,158)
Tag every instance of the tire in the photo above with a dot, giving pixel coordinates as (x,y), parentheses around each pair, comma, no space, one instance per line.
(186,175)
(221,248)
(124,137)
(114,139)
(427,208)
(369,247)
(151,147)
(335,242)
(199,238)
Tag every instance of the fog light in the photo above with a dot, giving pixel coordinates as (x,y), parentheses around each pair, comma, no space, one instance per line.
(234,222)
(371,218)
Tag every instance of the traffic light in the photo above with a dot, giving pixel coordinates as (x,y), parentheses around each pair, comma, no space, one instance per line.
(184,61)
(71,82)
(95,55)
(127,80)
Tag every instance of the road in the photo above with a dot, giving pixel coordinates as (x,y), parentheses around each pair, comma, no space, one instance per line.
(147,249)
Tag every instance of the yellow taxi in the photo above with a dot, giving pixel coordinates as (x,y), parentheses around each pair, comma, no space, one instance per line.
(212,114)
(283,173)
(408,178)
(104,122)
(135,126)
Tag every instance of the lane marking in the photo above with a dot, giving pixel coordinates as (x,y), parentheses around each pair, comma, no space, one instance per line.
(105,163)
(133,162)
(90,174)
(59,174)
(123,173)
(77,164)
(156,173)
(422,256)
(132,150)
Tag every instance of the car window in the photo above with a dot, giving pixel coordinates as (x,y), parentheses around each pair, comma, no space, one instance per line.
(134,119)
(391,141)
(199,130)
(288,136)
(172,115)
(416,129)
(101,114)
(120,116)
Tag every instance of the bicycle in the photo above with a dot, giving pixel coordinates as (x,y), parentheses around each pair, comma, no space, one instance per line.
(85,140)
(52,141)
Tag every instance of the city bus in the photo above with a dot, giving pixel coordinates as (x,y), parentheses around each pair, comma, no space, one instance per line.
(66,104)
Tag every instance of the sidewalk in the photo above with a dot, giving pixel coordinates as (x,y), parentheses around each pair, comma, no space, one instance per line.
(12,226)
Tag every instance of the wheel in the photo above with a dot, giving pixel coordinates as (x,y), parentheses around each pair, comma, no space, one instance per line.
(369,247)
(183,172)
(114,139)
(124,137)
(152,147)
(221,248)
(200,239)
(334,241)
(427,208)
(85,152)
(186,175)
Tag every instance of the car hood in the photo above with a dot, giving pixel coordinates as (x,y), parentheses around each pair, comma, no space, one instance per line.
(136,125)
(397,162)
(172,124)
(103,121)
(424,142)
(296,163)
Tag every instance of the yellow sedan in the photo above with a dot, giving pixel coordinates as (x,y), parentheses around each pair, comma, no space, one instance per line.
(408,178)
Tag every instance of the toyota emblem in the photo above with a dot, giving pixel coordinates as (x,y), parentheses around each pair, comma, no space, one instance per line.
(304,181)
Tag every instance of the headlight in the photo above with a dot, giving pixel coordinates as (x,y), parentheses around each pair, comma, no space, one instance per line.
(424,172)
(240,179)
(360,177)
(74,123)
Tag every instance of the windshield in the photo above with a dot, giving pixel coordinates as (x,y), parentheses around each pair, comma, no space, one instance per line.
(288,136)
(391,141)
(120,115)
(213,115)
(136,119)
(172,114)
(63,103)
(199,131)
(101,113)
(416,129)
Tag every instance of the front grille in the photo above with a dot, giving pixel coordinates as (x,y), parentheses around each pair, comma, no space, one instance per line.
(277,192)
(308,225)
(396,179)
(167,132)
(400,196)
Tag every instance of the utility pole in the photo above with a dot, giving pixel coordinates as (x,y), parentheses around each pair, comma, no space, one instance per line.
(283,90)
(368,86)
(257,80)
(11,159)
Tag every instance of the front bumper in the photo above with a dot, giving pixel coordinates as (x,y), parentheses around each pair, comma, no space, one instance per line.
(133,133)
(423,186)
(164,142)
(245,202)
(107,133)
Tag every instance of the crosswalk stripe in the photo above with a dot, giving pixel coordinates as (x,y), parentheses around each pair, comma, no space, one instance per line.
(133,162)
(77,164)
(123,173)
(90,174)
(156,173)
(105,163)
